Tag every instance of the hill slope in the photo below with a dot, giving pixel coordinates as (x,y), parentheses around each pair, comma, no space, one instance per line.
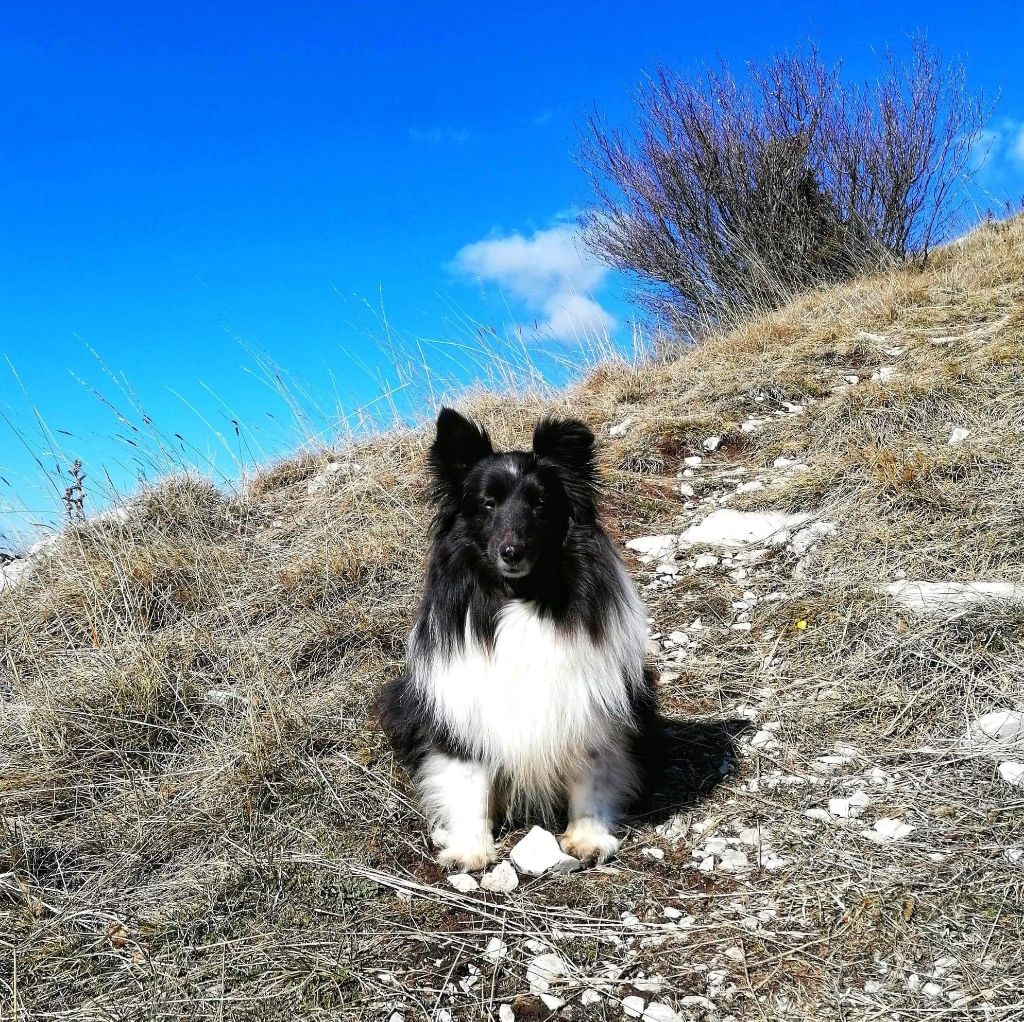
(199,819)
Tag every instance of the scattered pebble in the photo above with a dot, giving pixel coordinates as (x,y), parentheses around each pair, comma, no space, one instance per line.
(1012,773)
(654,853)
(730,528)
(538,853)
(496,950)
(544,970)
(463,882)
(712,443)
(959,435)
(886,830)
(503,879)
(620,428)
(633,1006)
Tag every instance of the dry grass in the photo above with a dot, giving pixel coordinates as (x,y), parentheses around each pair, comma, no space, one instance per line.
(200,820)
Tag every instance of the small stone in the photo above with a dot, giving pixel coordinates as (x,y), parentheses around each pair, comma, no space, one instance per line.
(849,808)
(705,561)
(763,739)
(544,970)
(538,853)
(886,830)
(732,860)
(959,435)
(707,864)
(1012,773)
(883,374)
(506,1014)
(500,880)
(633,1006)
(551,1002)
(852,379)
(931,990)
(671,913)
(590,996)
(620,428)
(463,882)
(654,853)
(693,461)
(819,814)
(687,490)
(658,1012)
(653,547)
(1002,726)
(712,443)
(496,950)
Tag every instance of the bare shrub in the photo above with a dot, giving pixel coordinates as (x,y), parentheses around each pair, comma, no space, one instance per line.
(732,198)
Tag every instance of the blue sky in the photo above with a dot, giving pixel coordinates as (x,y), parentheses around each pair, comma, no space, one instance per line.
(184,186)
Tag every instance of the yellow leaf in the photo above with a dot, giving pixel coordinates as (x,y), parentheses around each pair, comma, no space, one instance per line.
(801,624)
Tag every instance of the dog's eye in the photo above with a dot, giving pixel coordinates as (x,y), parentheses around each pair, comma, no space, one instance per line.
(489,504)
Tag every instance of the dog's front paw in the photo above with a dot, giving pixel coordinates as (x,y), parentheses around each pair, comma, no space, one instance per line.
(467,855)
(588,841)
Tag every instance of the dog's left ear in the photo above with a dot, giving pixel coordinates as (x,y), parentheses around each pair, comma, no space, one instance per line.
(569,445)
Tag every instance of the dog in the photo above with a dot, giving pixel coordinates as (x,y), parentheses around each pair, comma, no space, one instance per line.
(525,686)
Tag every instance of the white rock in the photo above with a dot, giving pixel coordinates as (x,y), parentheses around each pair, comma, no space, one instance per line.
(687,490)
(754,484)
(938,597)
(705,561)
(538,853)
(732,860)
(693,461)
(763,739)
(883,374)
(633,1006)
(544,970)
(739,528)
(1000,728)
(551,1002)
(849,808)
(654,853)
(931,990)
(503,879)
(14,571)
(506,1014)
(852,379)
(591,996)
(959,435)
(396,1016)
(886,830)
(650,548)
(671,913)
(707,864)
(463,882)
(620,429)
(496,950)
(658,1012)
(712,443)
(1012,773)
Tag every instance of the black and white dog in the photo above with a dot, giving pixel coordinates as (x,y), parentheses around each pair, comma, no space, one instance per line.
(525,683)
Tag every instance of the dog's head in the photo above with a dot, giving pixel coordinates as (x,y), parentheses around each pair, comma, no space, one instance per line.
(515,507)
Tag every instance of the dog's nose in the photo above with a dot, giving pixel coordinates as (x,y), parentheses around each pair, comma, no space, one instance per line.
(511,553)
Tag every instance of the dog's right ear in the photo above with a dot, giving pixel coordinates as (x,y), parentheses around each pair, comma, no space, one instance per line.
(458,446)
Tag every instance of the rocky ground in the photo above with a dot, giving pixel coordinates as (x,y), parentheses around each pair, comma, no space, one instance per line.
(822,512)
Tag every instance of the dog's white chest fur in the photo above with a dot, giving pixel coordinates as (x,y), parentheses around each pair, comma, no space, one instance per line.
(536,704)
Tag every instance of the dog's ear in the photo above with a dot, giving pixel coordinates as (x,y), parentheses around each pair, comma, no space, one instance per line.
(569,446)
(458,446)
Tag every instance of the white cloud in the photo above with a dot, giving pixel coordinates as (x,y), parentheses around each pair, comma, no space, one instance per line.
(998,159)
(549,272)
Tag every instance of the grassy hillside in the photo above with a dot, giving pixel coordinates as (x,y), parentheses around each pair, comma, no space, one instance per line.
(199,819)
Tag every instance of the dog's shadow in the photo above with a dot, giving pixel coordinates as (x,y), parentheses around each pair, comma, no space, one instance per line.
(692,758)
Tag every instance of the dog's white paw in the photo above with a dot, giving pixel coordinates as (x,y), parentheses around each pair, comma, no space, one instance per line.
(588,841)
(467,854)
